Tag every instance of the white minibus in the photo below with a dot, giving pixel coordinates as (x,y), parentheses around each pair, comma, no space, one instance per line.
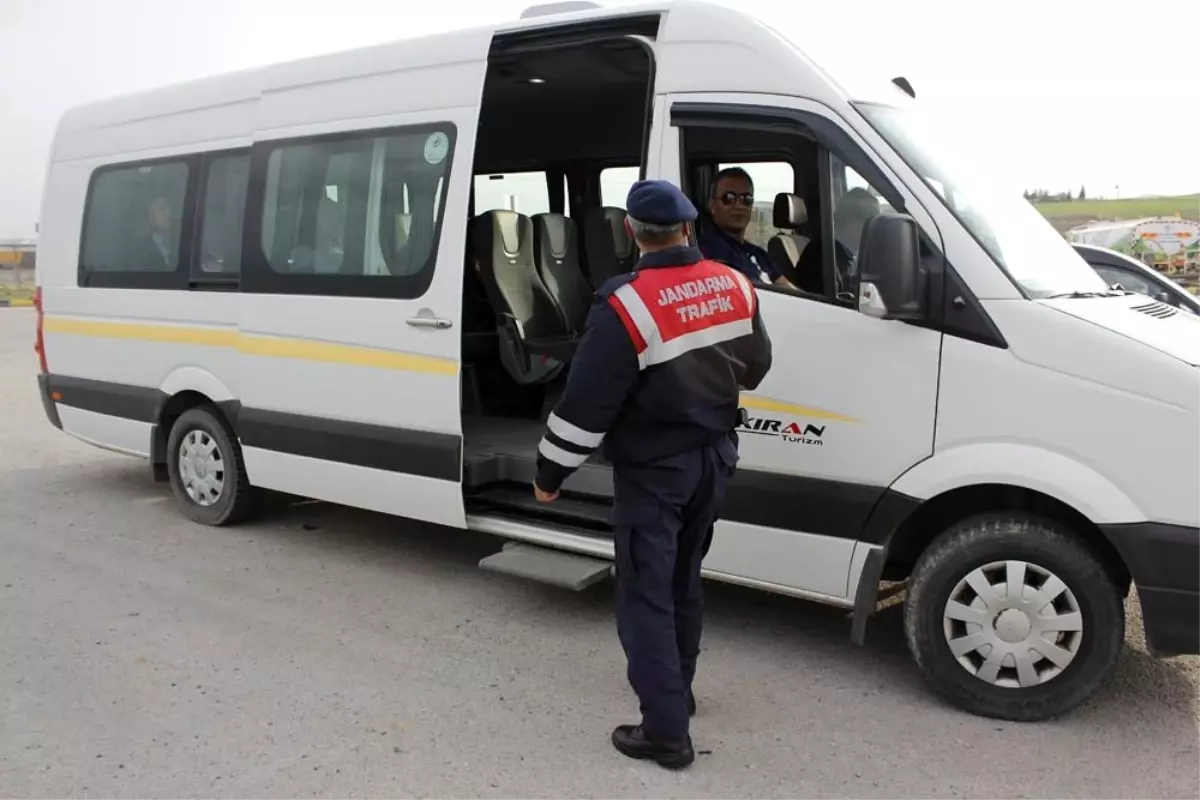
(360,277)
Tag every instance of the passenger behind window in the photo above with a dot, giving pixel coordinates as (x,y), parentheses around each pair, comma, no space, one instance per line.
(849,218)
(154,245)
(327,253)
(724,237)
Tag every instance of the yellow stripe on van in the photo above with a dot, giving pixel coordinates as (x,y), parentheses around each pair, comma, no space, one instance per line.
(271,347)
(172,334)
(767,404)
(344,354)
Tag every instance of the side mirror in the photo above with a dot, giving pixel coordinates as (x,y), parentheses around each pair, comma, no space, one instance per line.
(889,266)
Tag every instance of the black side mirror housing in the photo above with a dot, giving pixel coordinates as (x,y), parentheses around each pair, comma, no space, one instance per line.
(889,266)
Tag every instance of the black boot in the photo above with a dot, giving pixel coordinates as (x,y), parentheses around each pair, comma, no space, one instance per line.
(631,741)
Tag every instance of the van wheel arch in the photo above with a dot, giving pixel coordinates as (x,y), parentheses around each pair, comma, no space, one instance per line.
(170,408)
(919,529)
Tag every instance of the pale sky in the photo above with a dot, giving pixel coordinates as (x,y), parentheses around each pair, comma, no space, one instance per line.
(1060,93)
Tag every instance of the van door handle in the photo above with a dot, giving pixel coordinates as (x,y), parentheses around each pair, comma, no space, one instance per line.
(430,322)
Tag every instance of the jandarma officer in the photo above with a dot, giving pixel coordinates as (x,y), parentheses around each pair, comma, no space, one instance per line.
(656,378)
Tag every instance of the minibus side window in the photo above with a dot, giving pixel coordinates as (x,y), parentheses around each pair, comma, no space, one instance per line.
(134,224)
(352,215)
(822,212)
(527,193)
(615,183)
(782,165)
(220,254)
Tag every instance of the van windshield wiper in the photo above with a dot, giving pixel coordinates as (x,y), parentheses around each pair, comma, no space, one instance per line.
(1075,295)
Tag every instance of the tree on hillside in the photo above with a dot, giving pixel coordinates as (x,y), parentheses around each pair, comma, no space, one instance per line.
(1083,193)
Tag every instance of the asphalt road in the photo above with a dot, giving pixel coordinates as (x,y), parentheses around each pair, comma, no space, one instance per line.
(324,651)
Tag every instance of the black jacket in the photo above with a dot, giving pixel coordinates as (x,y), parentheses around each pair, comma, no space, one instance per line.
(666,351)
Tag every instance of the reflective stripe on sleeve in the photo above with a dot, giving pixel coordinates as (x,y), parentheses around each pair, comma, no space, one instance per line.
(560,456)
(573,433)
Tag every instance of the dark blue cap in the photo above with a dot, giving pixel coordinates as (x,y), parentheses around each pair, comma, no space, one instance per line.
(659,203)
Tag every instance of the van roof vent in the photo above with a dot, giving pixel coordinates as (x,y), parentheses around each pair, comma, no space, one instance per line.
(1156,309)
(565,7)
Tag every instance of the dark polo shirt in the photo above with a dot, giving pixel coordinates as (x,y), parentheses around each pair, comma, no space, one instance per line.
(746,257)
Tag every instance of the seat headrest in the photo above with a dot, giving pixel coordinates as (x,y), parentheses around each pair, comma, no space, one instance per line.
(402,230)
(851,215)
(500,227)
(553,231)
(789,211)
(612,218)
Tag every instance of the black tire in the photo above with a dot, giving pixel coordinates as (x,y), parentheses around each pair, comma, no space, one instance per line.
(989,538)
(237,498)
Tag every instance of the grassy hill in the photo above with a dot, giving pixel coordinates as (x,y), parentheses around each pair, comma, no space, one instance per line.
(1067,214)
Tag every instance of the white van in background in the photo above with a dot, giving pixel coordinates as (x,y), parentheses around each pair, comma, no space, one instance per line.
(290,279)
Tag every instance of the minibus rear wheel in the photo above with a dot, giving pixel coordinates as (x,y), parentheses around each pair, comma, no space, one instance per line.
(207,473)
(1013,617)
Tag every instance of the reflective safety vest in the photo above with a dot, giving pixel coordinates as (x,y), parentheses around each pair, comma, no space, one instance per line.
(660,369)
(670,311)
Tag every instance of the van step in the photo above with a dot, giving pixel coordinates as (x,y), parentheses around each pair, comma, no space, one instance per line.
(555,567)
(516,498)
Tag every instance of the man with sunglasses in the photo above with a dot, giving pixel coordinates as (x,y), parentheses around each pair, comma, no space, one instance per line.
(730,208)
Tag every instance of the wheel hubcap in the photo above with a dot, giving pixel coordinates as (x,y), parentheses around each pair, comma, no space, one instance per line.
(1013,624)
(201,468)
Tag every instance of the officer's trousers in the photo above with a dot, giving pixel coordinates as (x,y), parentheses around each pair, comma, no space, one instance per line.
(663,517)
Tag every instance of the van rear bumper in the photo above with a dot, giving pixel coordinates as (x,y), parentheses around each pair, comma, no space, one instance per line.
(48,404)
(1164,561)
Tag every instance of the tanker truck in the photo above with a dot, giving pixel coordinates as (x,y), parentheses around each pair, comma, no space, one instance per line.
(1170,245)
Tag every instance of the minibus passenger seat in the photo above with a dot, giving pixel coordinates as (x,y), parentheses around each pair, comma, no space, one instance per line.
(531,326)
(401,233)
(785,247)
(608,248)
(556,252)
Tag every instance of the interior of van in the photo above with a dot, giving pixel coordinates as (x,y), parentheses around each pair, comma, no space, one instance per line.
(556,117)
(572,121)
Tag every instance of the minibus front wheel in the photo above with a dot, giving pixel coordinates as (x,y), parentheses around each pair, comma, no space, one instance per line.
(206,470)
(1013,617)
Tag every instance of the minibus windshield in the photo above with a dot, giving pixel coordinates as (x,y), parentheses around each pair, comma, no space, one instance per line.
(1007,225)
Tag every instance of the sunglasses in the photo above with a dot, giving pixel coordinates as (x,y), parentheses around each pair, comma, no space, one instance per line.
(729,198)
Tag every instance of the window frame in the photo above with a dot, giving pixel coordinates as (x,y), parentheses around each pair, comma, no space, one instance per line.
(824,133)
(204,281)
(259,277)
(176,279)
(953,308)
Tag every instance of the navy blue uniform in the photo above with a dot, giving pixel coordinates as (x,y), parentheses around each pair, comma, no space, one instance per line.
(656,381)
(744,256)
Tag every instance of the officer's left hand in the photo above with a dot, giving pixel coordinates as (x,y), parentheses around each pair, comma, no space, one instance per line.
(543,496)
